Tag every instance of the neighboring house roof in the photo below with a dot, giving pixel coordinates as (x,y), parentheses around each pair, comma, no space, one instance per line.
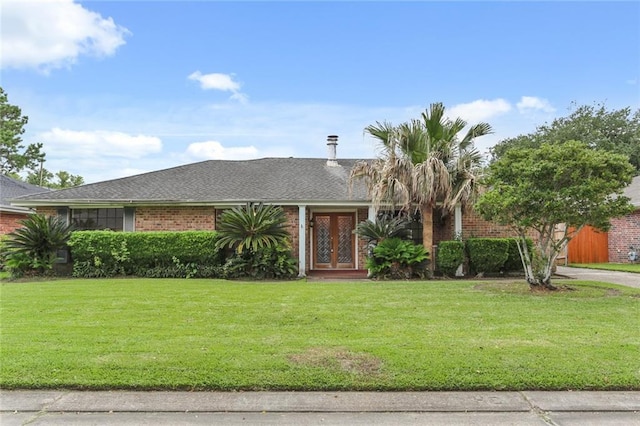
(11,188)
(273,180)
(633,191)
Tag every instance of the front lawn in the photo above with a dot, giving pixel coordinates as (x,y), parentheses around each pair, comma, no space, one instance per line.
(220,335)
(624,267)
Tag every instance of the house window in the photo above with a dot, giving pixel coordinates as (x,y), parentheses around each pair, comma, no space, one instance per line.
(96,219)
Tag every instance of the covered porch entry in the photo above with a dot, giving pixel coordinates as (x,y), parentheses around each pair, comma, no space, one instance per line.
(335,250)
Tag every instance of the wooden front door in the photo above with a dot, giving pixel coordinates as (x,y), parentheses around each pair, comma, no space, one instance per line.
(334,241)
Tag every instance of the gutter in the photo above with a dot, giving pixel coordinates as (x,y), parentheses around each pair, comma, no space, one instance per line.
(20,210)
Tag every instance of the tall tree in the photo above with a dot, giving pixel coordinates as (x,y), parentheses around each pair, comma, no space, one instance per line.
(14,156)
(423,162)
(553,191)
(611,130)
(16,159)
(60,180)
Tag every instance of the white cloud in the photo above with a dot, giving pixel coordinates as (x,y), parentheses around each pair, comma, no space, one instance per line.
(218,81)
(531,103)
(479,110)
(215,81)
(50,34)
(72,144)
(213,150)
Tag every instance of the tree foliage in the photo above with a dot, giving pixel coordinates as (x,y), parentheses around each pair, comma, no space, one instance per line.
(18,158)
(553,191)
(14,155)
(59,180)
(610,130)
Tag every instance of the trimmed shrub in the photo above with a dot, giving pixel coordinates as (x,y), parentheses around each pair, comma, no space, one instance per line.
(168,254)
(450,255)
(514,263)
(487,255)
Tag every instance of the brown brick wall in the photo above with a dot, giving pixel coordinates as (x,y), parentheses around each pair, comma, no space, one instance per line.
(443,226)
(291,212)
(9,222)
(164,218)
(624,232)
(475,226)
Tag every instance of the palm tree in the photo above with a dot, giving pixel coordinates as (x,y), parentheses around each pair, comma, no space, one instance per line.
(423,163)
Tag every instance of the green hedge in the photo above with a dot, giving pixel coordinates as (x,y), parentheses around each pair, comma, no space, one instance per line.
(514,263)
(107,253)
(449,256)
(486,255)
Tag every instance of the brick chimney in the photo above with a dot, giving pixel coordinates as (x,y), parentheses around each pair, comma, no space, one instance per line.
(332,142)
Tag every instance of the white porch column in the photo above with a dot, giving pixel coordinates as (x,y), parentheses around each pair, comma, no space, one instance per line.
(302,241)
(372,214)
(457,226)
(457,230)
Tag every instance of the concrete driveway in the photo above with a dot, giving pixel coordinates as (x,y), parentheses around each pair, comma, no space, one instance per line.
(623,278)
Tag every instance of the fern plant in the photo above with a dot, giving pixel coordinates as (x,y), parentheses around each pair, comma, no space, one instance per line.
(395,258)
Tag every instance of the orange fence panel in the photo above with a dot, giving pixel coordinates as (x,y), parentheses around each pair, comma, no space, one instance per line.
(589,246)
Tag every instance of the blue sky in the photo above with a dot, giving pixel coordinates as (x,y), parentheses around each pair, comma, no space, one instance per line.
(115,88)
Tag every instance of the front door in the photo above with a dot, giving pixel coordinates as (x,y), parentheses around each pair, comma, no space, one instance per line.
(334,240)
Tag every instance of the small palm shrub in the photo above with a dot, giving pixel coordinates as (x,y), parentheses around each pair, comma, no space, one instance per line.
(253,226)
(259,237)
(383,228)
(32,248)
(397,259)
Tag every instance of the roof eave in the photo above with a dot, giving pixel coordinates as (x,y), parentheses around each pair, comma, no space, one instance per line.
(134,203)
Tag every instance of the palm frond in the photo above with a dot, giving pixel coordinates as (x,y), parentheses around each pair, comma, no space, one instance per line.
(252,227)
(383,228)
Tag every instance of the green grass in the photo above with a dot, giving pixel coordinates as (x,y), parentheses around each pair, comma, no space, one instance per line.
(624,267)
(217,335)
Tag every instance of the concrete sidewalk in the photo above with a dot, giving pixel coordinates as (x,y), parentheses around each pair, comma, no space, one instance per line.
(310,408)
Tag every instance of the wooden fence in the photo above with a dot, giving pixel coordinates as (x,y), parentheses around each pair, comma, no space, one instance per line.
(589,246)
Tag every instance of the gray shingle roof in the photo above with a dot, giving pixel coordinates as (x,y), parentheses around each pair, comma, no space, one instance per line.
(267,179)
(633,191)
(12,188)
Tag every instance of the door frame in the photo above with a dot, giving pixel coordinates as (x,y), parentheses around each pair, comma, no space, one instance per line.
(333,215)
